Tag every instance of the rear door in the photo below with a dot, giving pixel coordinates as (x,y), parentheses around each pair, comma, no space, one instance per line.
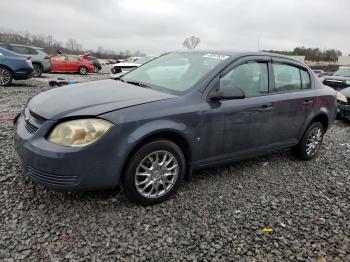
(73,63)
(294,99)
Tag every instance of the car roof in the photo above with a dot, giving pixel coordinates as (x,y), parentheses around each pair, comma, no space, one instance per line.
(34,47)
(238,54)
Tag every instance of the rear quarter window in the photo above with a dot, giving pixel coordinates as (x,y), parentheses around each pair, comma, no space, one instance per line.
(305,79)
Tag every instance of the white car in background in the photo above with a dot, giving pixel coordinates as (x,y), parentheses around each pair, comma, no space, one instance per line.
(127,66)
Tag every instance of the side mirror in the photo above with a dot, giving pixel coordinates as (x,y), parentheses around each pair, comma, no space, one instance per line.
(228,93)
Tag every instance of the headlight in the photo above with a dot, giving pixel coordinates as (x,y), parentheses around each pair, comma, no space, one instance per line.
(341,97)
(347,82)
(79,133)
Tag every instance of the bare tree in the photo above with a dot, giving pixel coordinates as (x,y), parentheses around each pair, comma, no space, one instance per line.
(191,42)
(73,45)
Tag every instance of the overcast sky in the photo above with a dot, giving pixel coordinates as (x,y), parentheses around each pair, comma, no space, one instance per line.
(155,26)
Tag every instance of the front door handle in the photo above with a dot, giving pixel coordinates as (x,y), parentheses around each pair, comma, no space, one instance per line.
(308,102)
(266,108)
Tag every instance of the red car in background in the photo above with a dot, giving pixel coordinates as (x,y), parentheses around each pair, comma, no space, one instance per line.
(71,64)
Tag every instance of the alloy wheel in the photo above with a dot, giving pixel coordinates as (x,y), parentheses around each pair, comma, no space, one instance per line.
(37,71)
(156,174)
(314,141)
(83,71)
(5,77)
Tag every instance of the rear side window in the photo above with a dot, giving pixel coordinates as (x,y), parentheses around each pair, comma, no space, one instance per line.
(290,78)
(305,79)
(31,51)
(19,50)
(73,58)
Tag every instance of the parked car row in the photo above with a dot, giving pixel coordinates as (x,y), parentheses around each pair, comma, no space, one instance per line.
(40,62)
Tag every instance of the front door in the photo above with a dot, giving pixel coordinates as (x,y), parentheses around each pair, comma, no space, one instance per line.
(239,128)
(58,63)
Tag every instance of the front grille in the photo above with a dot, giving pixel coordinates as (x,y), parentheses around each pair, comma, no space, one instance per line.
(30,127)
(38,119)
(33,122)
(53,179)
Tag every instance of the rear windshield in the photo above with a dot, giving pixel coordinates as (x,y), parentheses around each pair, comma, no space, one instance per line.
(343,72)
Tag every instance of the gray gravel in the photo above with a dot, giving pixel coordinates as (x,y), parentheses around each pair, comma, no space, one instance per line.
(217,216)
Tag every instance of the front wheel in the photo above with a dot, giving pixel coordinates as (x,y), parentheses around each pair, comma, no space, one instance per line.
(311,142)
(83,70)
(154,172)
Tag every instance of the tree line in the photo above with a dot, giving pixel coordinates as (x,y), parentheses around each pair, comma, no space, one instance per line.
(51,45)
(312,54)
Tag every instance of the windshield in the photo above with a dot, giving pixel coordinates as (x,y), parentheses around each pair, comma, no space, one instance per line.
(343,72)
(175,72)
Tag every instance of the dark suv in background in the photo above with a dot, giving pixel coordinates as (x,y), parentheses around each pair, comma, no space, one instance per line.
(40,59)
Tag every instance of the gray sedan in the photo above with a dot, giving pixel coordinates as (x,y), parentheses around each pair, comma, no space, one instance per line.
(150,128)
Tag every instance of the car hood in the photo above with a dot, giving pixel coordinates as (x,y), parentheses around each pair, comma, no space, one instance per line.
(346,92)
(91,99)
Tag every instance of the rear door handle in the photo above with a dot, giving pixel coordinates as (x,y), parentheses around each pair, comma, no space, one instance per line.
(307,102)
(266,108)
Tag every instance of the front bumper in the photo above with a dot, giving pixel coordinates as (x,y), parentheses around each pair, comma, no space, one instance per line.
(63,168)
(344,111)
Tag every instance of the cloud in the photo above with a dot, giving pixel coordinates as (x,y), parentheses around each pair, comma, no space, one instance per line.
(155,26)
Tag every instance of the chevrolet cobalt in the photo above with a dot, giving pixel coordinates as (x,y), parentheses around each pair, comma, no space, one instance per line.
(150,128)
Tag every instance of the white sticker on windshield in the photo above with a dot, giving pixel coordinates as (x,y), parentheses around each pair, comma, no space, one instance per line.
(215,56)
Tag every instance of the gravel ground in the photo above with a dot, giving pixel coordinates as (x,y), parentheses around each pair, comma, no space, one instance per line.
(219,215)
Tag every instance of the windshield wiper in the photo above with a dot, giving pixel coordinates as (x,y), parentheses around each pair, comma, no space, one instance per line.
(138,84)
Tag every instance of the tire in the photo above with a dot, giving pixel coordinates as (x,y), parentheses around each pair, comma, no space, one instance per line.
(5,77)
(38,70)
(311,142)
(145,186)
(115,70)
(96,69)
(83,70)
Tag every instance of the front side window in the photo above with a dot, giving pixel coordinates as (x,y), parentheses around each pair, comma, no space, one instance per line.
(59,58)
(251,77)
(175,72)
(19,49)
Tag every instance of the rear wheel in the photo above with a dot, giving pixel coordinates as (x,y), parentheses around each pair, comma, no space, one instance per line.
(154,172)
(96,69)
(5,76)
(38,70)
(311,142)
(115,70)
(83,70)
